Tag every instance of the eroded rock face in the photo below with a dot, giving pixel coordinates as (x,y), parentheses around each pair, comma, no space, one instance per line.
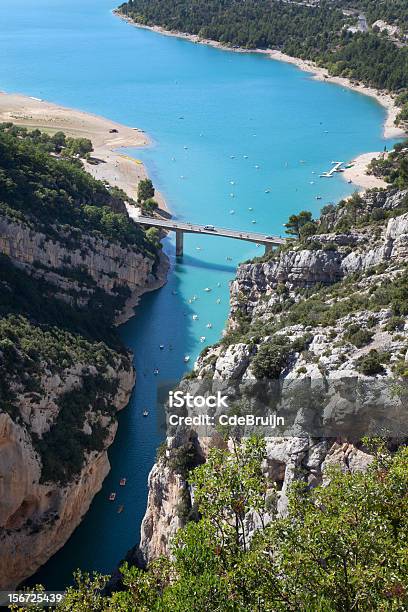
(36,518)
(161,521)
(260,293)
(107,263)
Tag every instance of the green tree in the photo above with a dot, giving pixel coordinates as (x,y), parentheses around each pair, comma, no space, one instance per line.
(150,206)
(80,147)
(343,547)
(296,222)
(145,190)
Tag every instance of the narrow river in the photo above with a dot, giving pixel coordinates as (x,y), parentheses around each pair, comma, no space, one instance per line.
(238,140)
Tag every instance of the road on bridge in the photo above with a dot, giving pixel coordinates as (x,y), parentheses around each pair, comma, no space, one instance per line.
(193,228)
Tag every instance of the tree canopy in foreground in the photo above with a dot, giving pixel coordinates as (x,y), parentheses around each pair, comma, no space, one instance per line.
(342,546)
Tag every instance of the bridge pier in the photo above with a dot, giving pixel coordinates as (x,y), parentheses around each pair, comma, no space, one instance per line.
(179,243)
(268,248)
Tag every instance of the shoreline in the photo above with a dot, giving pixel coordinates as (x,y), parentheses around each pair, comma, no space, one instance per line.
(384,98)
(357,173)
(108,138)
(115,167)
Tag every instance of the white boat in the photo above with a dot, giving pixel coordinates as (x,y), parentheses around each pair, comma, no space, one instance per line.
(161,347)
(218,301)
(195,317)
(250,208)
(209,325)
(186,358)
(232,195)
(208,289)
(145,413)
(257,167)
(198,248)
(218,284)
(245,156)
(232,182)
(232,212)
(202,338)
(267,191)
(253,221)
(156,371)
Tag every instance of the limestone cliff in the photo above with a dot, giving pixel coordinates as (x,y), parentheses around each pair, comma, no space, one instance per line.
(327,307)
(70,262)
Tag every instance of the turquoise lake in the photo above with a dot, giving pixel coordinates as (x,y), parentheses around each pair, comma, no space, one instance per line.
(228,123)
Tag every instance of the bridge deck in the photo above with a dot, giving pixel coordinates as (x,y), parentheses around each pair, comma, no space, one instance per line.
(192,228)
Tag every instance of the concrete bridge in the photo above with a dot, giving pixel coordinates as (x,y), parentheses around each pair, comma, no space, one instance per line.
(182,228)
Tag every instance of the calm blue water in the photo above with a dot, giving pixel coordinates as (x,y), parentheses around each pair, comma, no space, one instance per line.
(233,112)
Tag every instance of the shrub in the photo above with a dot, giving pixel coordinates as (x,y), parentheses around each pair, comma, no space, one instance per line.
(269,360)
(370,364)
(394,324)
(357,336)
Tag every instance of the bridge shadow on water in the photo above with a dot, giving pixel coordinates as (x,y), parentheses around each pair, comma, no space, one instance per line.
(194,262)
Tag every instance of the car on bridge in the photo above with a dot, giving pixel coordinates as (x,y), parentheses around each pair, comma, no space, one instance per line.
(210,228)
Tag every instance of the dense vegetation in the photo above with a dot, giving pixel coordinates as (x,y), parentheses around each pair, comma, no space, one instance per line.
(394,167)
(41,333)
(319,33)
(50,190)
(390,11)
(45,330)
(342,546)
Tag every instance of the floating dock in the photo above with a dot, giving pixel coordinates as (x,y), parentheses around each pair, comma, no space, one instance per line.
(336,168)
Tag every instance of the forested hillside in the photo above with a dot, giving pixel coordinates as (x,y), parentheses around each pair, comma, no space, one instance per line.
(320,33)
(44,324)
(69,259)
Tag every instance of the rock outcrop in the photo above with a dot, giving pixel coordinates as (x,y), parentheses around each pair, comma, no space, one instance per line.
(332,303)
(61,258)
(37,513)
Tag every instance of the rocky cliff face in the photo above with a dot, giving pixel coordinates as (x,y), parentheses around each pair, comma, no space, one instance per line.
(66,255)
(38,510)
(335,303)
(36,516)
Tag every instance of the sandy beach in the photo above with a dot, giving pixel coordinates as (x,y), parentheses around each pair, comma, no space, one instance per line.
(114,166)
(384,98)
(357,173)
